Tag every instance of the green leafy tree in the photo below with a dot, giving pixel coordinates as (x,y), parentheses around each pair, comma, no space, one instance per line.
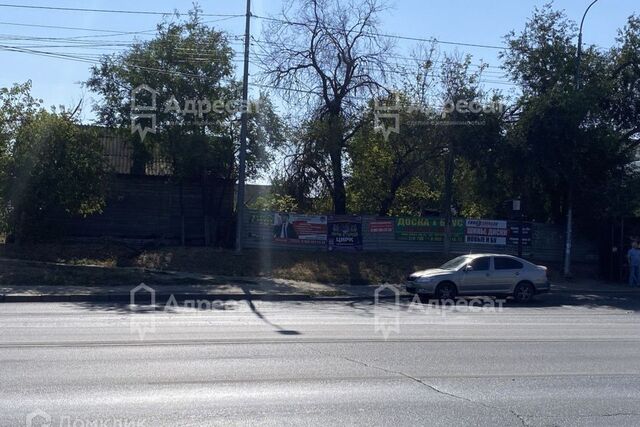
(17,106)
(382,167)
(56,170)
(185,63)
(189,66)
(570,144)
(275,202)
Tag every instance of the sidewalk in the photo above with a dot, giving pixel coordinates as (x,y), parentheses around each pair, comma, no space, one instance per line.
(592,286)
(234,289)
(73,283)
(108,284)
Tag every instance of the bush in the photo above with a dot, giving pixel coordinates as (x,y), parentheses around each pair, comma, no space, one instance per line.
(56,169)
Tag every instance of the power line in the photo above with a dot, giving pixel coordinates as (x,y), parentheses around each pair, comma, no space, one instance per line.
(96,59)
(120,33)
(111,33)
(392,36)
(57,27)
(132,12)
(282,21)
(401,69)
(200,53)
(92,61)
(259,42)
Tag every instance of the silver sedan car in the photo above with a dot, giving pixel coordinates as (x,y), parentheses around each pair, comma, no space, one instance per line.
(481,274)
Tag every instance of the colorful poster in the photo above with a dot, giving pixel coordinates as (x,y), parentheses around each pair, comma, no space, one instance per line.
(428,229)
(301,229)
(344,233)
(514,229)
(381,226)
(486,231)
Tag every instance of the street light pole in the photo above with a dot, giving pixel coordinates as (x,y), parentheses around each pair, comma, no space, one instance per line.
(569,231)
(243,133)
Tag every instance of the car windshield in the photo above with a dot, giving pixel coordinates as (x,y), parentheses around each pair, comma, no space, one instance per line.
(455,263)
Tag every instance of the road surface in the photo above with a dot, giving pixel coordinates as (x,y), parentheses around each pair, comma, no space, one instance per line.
(571,361)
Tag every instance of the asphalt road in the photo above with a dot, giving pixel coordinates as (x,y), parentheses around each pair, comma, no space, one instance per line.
(571,361)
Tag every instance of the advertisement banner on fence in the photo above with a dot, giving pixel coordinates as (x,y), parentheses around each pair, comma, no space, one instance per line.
(427,229)
(344,233)
(514,229)
(486,231)
(301,229)
(381,226)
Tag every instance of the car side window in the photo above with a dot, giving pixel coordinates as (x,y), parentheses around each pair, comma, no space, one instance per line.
(503,263)
(480,264)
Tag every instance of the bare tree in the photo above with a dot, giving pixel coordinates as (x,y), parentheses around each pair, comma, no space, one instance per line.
(327,53)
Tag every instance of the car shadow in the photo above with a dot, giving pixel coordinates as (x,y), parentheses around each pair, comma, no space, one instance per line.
(621,301)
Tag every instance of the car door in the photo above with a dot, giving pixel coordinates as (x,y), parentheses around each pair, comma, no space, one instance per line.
(506,273)
(476,279)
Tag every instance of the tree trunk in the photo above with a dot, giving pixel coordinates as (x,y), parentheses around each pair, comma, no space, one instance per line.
(339,191)
(182,224)
(335,143)
(385,205)
(388,200)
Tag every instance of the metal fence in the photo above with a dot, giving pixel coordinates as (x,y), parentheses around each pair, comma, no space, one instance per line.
(545,242)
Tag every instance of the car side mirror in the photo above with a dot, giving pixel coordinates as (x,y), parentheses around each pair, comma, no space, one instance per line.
(468,267)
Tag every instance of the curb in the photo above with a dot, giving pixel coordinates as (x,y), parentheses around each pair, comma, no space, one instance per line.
(163,298)
(595,291)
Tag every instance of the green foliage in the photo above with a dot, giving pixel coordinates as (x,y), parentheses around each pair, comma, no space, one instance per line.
(17,106)
(415,198)
(555,142)
(571,142)
(56,170)
(406,172)
(186,63)
(275,202)
(382,169)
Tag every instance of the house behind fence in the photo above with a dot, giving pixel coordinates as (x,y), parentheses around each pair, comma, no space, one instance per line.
(152,206)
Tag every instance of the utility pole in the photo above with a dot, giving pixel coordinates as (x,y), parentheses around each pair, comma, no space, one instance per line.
(448,198)
(569,231)
(243,133)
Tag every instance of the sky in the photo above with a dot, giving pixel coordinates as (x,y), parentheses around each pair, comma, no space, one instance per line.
(58,81)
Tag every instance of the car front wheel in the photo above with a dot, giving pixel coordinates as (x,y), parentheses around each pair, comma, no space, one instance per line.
(445,291)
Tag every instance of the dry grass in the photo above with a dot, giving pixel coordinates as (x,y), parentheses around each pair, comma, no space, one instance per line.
(322,267)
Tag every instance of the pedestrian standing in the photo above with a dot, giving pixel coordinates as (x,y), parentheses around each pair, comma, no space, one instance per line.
(633,256)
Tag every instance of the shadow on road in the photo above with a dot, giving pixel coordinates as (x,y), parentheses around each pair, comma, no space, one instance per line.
(145,306)
(620,301)
(279,329)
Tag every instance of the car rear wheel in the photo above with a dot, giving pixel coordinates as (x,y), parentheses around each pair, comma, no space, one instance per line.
(524,292)
(445,291)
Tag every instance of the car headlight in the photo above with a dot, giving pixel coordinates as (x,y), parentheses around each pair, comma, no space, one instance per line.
(425,279)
